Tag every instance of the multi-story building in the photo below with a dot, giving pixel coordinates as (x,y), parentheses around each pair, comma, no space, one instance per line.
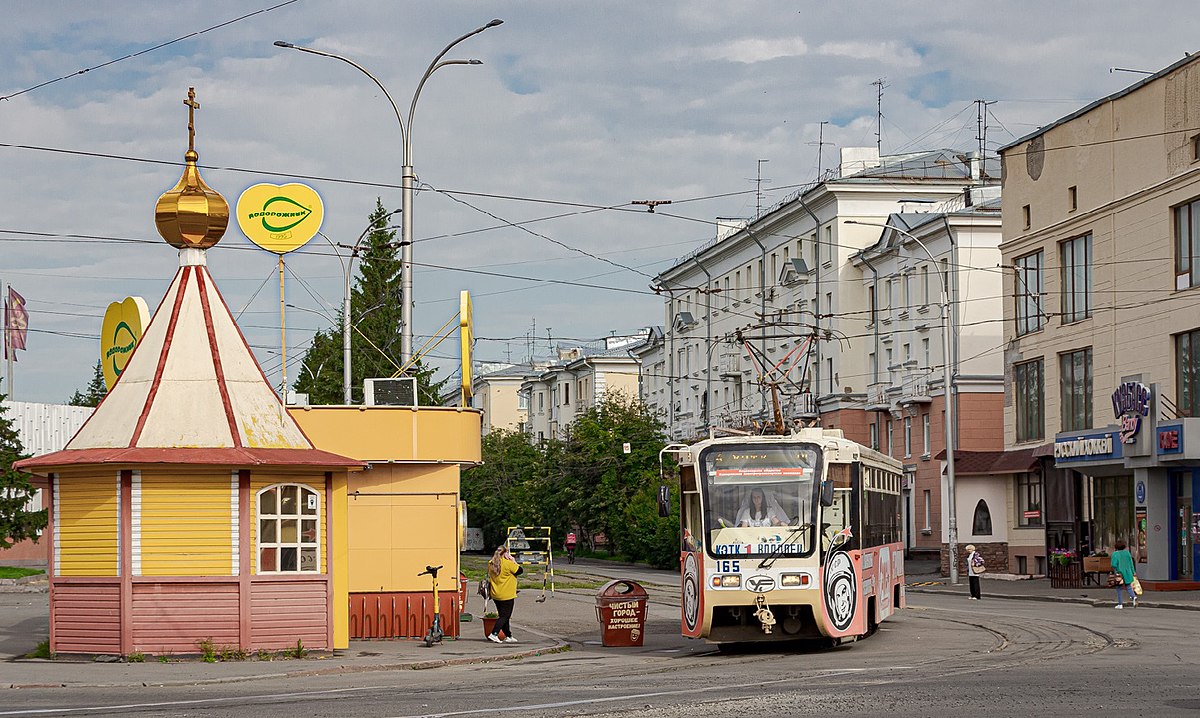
(497,392)
(789,292)
(903,277)
(1102,234)
(578,380)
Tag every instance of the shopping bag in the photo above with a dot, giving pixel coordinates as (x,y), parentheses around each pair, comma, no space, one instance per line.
(1137,586)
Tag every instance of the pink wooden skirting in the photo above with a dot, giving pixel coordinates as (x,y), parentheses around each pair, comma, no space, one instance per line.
(171,615)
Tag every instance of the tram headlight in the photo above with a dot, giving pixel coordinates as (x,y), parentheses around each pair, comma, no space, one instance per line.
(728,580)
(793,580)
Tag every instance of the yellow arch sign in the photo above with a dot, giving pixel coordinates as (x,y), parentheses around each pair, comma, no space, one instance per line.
(120,333)
(280,218)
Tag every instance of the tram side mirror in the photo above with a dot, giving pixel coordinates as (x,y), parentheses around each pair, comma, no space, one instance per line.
(827,492)
(664,501)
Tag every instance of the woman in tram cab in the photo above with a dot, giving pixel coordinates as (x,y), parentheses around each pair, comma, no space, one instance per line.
(761,509)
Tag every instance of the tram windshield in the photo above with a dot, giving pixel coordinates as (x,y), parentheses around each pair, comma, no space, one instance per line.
(759,500)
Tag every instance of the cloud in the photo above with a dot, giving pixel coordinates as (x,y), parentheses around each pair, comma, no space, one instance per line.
(752,50)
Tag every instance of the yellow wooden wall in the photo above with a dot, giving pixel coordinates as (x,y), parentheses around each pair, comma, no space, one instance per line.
(397,526)
(258,482)
(186,523)
(86,528)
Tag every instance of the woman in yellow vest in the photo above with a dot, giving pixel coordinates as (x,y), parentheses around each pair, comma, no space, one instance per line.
(502,580)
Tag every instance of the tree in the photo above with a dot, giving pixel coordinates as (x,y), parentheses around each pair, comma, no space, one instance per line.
(17,523)
(375,339)
(95,391)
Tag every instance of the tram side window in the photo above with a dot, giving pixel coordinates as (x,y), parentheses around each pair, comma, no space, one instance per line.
(883,518)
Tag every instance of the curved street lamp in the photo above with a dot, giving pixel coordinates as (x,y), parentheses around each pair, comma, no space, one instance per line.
(947,376)
(407,176)
(347,273)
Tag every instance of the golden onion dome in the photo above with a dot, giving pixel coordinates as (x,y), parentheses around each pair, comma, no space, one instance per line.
(191,214)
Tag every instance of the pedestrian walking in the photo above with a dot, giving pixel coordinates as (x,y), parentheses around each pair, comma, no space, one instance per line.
(975,569)
(502,581)
(1122,564)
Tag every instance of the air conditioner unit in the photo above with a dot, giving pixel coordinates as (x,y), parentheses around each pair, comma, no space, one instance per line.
(401,391)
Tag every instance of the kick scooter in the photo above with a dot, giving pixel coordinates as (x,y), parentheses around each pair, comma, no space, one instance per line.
(436,633)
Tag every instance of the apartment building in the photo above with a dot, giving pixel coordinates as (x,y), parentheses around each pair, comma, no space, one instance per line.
(497,392)
(784,293)
(579,379)
(1101,225)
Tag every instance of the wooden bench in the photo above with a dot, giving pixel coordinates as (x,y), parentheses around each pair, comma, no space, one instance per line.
(1096,569)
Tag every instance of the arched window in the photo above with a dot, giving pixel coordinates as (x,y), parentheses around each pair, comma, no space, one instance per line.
(289,525)
(982,525)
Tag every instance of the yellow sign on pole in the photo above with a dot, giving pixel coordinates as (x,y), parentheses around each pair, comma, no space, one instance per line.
(280,218)
(120,333)
(466,338)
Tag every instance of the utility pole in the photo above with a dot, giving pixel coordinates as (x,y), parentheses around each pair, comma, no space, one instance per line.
(758,195)
(820,147)
(981,129)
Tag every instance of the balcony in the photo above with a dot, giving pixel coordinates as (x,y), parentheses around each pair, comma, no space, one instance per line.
(914,387)
(877,396)
(801,406)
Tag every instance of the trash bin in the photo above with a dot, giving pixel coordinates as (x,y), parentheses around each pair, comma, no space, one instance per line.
(621,610)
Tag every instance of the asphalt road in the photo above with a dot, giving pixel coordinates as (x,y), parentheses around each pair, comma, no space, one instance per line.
(943,654)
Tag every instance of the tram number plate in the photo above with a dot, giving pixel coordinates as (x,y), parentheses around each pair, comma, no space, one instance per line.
(729,566)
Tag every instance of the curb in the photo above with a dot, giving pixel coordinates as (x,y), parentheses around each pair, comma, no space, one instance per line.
(1093,602)
(558,647)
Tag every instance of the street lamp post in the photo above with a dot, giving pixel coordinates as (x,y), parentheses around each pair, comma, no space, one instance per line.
(947,377)
(406,170)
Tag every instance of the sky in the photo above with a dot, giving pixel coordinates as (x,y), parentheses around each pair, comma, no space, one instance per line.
(528,163)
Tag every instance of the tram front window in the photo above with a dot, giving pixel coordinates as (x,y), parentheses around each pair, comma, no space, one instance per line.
(759,500)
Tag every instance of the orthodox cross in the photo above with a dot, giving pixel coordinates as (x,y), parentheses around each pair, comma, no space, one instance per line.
(192,107)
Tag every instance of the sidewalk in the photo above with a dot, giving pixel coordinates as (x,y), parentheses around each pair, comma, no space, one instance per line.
(1038,589)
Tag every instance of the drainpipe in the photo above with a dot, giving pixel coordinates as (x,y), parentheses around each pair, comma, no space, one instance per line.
(707,342)
(762,307)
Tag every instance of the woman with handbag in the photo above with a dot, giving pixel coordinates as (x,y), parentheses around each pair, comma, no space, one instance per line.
(1122,563)
(975,569)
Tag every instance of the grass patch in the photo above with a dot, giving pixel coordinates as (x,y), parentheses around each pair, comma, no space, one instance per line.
(136,657)
(42,651)
(19,572)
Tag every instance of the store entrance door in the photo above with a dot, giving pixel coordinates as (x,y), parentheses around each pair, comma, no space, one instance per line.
(1184,527)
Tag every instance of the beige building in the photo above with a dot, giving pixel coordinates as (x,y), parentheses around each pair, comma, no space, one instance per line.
(1102,233)
(579,380)
(498,394)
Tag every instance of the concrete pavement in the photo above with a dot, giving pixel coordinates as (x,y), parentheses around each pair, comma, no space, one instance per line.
(566,621)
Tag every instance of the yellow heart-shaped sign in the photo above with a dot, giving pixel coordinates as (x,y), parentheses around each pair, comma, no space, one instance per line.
(120,333)
(280,218)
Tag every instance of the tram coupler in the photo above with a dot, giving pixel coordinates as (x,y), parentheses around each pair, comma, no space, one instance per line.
(764,614)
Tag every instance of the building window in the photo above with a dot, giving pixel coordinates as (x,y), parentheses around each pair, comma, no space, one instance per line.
(873,362)
(874,434)
(981,525)
(1026,217)
(1076,279)
(928,510)
(925,434)
(1076,380)
(289,529)
(1029,500)
(924,285)
(1027,396)
(889,437)
(522,401)
(872,304)
(1072,198)
(1196,148)
(1029,293)
(907,436)
(829,371)
(925,352)
(566,393)
(1187,362)
(541,402)
(1187,245)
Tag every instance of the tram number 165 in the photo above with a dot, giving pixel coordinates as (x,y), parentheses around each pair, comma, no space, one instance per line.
(728,566)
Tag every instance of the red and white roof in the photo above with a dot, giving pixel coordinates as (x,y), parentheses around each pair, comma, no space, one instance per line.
(191,393)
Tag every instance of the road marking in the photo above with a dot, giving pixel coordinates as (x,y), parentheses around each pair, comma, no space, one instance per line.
(197,701)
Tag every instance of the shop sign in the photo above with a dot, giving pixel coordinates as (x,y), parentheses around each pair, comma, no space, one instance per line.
(1032,514)
(1087,447)
(1131,403)
(1139,491)
(120,333)
(1170,440)
(280,218)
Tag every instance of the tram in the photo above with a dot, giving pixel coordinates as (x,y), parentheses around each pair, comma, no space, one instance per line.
(788,537)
